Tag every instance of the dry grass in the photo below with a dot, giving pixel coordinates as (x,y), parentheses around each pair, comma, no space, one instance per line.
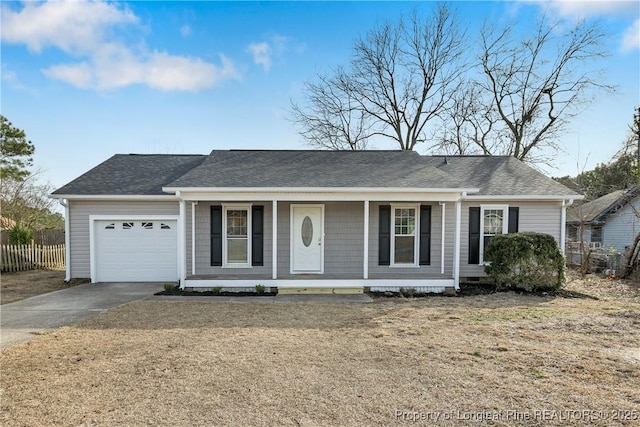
(207,363)
(25,284)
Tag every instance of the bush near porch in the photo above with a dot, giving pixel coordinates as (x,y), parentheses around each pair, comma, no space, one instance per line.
(528,261)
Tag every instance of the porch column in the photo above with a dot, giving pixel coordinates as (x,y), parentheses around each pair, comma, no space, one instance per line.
(365,263)
(442,239)
(274,240)
(182,243)
(193,237)
(563,224)
(456,244)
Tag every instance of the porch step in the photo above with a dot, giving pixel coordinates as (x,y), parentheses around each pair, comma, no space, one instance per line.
(319,291)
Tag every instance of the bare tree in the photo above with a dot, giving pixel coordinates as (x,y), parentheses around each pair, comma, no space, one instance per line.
(400,78)
(468,123)
(332,117)
(26,201)
(533,87)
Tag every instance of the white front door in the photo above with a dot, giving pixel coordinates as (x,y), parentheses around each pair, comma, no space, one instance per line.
(307,239)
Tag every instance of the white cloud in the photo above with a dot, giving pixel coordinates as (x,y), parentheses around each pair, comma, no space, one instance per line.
(264,52)
(596,8)
(261,54)
(117,67)
(8,75)
(631,37)
(185,30)
(588,8)
(83,30)
(73,26)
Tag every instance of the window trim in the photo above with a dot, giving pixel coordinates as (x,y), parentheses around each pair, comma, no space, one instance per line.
(225,261)
(505,224)
(416,237)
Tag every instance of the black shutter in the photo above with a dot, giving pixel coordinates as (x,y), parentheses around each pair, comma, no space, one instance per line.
(257,233)
(425,235)
(514,214)
(384,235)
(474,235)
(216,236)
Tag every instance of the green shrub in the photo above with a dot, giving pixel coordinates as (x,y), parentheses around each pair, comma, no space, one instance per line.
(408,292)
(216,290)
(19,235)
(528,261)
(169,287)
(260,289)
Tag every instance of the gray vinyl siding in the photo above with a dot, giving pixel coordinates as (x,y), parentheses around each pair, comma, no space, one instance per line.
(423,271)
(79,212)
(621,227)
(539,216)
(203,244)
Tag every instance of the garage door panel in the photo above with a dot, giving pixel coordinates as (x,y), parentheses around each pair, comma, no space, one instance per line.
(128,250)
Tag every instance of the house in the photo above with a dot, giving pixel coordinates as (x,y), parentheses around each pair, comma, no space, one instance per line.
(291,219)
(611,221)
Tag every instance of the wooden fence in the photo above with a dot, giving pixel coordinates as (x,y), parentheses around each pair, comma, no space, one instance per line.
(31,257)
(41,237)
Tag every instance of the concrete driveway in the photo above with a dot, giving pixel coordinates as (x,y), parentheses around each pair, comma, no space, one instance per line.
(20,320)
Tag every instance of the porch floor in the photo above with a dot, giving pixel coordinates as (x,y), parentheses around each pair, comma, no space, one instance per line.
(387,276)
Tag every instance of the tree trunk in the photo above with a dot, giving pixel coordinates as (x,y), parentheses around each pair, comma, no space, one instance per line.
(632,261)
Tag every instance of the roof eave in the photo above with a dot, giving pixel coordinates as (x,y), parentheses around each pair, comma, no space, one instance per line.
(538,197)
(145,197)
(178,190)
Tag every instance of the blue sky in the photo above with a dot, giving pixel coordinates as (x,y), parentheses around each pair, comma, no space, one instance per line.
(88,80)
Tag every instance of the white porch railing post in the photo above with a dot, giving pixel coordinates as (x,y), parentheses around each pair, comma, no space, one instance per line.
(365,262)
(182,245)
(456,245)
(274,240)
(442,239)
(193,237)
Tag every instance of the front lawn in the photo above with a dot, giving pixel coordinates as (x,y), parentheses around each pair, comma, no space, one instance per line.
(500,359)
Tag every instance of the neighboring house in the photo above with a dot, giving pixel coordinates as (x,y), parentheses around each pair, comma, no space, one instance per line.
(611,221)
(290,219)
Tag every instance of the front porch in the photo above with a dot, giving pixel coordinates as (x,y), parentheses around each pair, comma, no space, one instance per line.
(344,248)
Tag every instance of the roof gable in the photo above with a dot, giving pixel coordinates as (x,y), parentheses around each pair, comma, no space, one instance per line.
(498,176)
(597,210)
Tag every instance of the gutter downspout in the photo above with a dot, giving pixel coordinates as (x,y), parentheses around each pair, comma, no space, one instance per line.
(456,244)
(563,224)
(67,240)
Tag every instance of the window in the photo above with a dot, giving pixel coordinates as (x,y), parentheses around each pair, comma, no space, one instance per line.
(572,232)
(111,226)
(495,220)
(237,232)
(404,239)
(596,235)
(127,225)
(164,226)
(147,225)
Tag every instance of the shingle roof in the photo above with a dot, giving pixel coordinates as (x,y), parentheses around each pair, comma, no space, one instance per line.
(310,168)
(595,210)
(498,175)
(132,174)
(147,174)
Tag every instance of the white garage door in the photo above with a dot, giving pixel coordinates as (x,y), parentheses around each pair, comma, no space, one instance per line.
(142,251)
